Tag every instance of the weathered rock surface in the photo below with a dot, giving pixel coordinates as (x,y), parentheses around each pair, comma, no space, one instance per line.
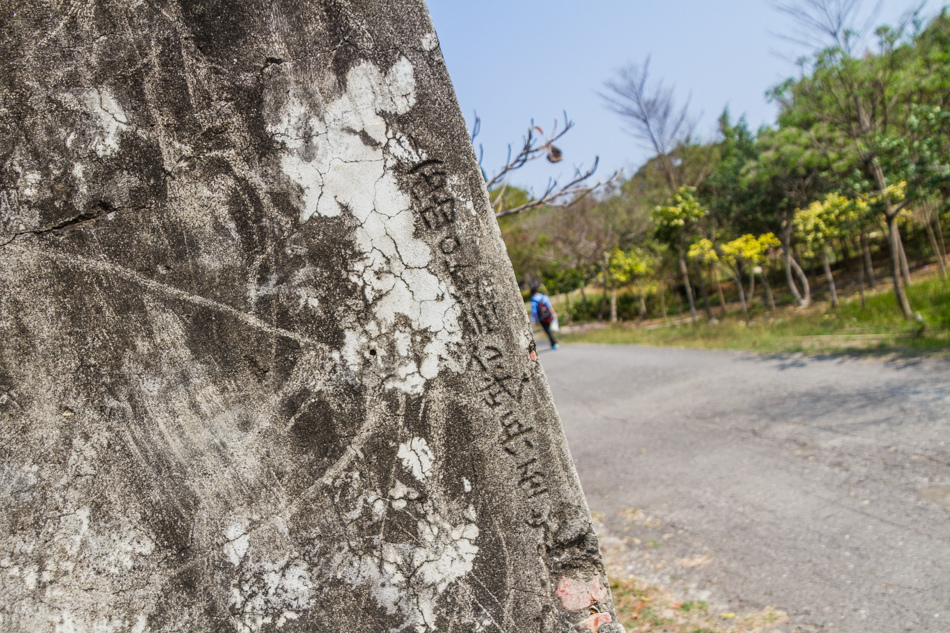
(263,363)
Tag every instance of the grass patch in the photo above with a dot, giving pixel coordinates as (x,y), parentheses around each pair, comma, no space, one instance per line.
(643,608)
(877,327)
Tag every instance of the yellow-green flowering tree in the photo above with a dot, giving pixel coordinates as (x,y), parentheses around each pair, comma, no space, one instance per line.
(703,253)
(634,267)
(748,254)
(676,224)
(823,221)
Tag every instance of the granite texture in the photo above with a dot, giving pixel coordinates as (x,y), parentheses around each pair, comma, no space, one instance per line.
(263,361)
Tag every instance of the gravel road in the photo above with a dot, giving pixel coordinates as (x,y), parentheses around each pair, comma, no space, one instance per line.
(820,486)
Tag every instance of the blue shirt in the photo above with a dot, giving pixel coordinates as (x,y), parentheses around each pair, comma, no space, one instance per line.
(537,298)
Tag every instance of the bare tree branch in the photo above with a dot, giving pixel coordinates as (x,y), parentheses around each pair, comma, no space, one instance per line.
(563,196)
(651,115)
(534,146)
(824,23)
(476,128)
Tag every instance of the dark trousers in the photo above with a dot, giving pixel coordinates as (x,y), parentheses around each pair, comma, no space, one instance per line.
(547,330)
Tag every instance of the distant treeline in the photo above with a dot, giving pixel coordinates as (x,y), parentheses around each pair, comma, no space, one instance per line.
(853,178)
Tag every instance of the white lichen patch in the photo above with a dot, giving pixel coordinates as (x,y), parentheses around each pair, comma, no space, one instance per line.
(344,160)
(110,117)
(410,578)
(417,457)
(73,622)
(339,156)
(400,495)
(238,541)
(29,184)
(429,41)
(80,550)
(265,591)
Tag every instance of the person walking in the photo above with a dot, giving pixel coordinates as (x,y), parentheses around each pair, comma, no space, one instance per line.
(543,312)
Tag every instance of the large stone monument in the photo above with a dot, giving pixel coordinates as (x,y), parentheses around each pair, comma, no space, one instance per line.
(263,362)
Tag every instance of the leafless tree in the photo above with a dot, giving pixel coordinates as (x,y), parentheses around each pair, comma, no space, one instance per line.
(651,115)
(819,24)
(535,145)
(582,235)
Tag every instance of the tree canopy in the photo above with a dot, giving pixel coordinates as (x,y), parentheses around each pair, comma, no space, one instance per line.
(853,174)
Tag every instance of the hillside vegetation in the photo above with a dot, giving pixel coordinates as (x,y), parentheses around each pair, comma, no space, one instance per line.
(819,225)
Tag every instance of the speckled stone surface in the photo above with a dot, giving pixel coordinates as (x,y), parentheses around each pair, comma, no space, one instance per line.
(263,361)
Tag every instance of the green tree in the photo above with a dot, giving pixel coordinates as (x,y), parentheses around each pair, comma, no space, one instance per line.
(634,267)
(703,253)
(789,172)
(865,105)
(732,203)
(826,220)
(676,223)
(747,254)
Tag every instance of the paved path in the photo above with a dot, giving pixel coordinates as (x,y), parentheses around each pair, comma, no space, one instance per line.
(819,486)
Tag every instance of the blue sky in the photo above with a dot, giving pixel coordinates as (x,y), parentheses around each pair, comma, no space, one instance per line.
(516,60)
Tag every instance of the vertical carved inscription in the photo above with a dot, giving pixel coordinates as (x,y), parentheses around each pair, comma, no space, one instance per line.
(433,199)
(476,294)
(502,391)
(500,384)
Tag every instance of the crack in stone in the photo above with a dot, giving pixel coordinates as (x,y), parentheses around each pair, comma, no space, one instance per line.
(109,268)
(103,210)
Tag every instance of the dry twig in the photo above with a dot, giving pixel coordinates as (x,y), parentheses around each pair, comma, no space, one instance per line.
(535,145)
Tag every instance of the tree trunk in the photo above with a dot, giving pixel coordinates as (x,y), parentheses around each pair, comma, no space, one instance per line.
(939,231)
(806,300)
(613,303)
(831,279)
(787,249)
(868,261)
(894,244)
(643,305)
(702,289)
(684,270)
(905,269)
(855,243)
(741,290)
(603,297)
(941,264)
(864,301)
(845,253)
(662,292)
(722,297)
(751,298)
(768,291)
